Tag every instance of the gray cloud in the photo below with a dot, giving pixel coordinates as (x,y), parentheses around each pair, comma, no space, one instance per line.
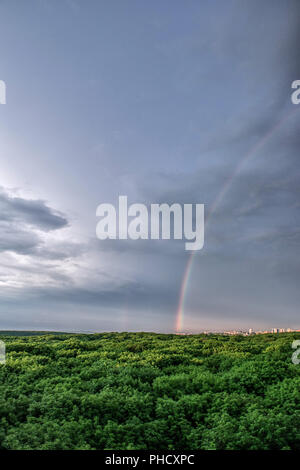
(30,211)
(22,220)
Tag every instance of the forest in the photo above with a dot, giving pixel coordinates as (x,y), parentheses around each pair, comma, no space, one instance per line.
(118,391)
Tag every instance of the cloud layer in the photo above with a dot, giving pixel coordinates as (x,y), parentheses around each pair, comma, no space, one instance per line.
(188,105)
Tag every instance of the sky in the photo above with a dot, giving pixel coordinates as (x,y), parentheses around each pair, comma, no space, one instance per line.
(174,102)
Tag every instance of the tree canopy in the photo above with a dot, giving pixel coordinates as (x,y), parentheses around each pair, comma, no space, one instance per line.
(149,391)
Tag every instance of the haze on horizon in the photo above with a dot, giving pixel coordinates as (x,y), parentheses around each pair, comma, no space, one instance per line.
(159,101)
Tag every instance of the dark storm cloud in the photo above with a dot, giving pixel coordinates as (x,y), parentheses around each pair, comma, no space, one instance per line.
(131,296)
(30,211)
(22,219)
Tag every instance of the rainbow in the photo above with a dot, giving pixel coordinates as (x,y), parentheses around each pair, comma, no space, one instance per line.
(188,269)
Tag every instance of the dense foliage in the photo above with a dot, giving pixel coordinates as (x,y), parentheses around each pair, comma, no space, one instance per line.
(149,391)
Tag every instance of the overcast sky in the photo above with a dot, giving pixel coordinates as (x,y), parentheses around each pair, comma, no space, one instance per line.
(173,101)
